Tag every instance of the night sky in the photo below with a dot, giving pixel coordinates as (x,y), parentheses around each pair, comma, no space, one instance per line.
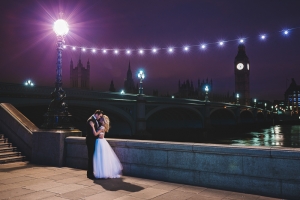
(28,43)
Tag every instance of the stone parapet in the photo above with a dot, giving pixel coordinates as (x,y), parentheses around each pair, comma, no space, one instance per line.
(17,128)
(39,146)
(259,170)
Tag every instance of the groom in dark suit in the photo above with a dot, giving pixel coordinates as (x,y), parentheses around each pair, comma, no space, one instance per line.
(91,136)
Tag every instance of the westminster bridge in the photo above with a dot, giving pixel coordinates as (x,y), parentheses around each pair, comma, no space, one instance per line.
(132,113)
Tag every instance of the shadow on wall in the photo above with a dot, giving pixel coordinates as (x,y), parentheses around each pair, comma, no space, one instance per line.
(119,127)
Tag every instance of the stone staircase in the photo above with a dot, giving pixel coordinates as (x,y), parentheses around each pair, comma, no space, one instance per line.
(8,153)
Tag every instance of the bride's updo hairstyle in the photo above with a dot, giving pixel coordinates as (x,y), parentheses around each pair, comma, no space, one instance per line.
(106,123)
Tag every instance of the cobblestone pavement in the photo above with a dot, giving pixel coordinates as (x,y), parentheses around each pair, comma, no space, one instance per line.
(23,180)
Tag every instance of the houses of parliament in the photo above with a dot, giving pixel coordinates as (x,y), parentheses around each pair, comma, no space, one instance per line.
(80,78)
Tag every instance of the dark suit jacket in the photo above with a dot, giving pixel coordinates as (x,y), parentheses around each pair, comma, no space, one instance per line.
(89,131)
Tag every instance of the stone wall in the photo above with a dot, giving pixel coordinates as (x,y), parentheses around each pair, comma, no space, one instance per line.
(17,128)
(39,146)
(259,170)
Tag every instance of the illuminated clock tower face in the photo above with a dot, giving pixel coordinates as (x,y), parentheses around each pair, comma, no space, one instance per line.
(240,66)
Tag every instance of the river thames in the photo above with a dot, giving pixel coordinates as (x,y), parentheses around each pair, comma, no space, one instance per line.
(277,136)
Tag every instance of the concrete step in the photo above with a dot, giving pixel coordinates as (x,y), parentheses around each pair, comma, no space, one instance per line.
(5,145)
(8,149)
(9,154)
(12,159)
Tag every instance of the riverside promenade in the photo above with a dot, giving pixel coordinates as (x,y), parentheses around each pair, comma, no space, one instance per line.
(23,180)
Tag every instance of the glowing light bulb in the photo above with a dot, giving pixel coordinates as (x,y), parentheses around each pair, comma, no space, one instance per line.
(83,49)
(141,51)
(116,51)
(128,51)
(104,51)
(154,50)
(203,46)
(93,50)
(221,43)
(263,37)
(186,48)
(61,27)
(206,88)
(170,49)
(74,48)
(64,46)
(286,32)
(241,41)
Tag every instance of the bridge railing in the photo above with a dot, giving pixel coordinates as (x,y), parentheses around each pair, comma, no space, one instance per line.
(20,90)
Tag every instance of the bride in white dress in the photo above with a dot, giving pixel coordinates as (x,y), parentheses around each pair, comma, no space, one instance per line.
(106,162)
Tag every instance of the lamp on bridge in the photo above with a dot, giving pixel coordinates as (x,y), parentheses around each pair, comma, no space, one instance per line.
(237,99)
(265,106)
(57,116)
(206,93)
(29,83)
(141,76)
(254,103)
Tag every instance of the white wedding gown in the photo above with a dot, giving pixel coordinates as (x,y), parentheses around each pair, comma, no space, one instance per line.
(106,162)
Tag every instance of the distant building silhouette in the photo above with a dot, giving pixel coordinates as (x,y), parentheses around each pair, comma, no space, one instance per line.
(242,73)
(129,83)
(112,87)
(155,93)
(188,90)
(80,76)
(292,96)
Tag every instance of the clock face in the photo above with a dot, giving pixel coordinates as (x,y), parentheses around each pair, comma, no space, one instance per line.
(240,66)
(248,66)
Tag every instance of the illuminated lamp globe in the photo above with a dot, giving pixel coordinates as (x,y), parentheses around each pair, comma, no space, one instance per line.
(61,27)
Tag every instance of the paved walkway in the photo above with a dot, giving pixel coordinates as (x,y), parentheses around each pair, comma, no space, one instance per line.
(27,181)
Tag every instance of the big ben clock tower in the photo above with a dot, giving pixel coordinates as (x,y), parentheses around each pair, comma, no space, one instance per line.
(242,72)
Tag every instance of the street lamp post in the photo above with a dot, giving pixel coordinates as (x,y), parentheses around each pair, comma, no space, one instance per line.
(254,103)
(237,99)
(141,76)
(57,116)
(206,93)
(265,106)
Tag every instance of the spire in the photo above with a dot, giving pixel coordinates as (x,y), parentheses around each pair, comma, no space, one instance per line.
(129,73)
(293,83)
(71,64)
(241,55)
(112,87)
(88,64)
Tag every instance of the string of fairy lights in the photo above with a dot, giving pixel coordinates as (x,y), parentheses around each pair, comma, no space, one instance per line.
(170,49)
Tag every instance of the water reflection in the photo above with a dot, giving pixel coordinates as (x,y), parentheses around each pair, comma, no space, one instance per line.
(278,135)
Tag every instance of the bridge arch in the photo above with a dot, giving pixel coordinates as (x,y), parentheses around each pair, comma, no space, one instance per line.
(260,117)
(246,117)
(172,117)
(122,120)
(222,117)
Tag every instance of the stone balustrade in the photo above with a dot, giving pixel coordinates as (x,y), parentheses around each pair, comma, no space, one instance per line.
(259,170)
